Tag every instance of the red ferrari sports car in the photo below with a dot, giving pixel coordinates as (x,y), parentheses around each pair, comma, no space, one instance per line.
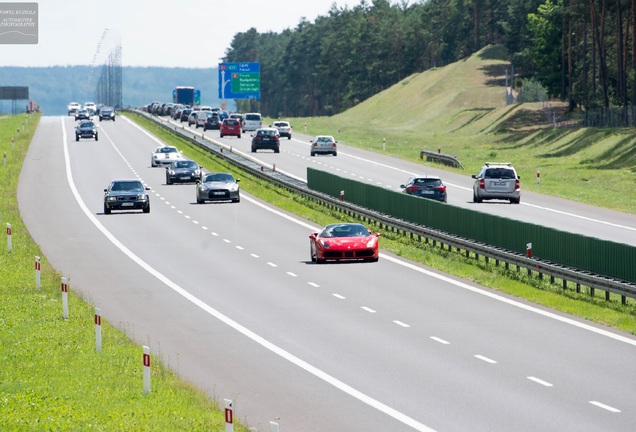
(344,241)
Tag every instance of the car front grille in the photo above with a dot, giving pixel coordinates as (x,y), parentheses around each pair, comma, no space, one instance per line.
(219,194)
(366,253)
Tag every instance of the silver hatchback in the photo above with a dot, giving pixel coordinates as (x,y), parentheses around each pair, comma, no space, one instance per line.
(497,181)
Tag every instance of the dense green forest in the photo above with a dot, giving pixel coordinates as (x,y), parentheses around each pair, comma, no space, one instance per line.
(580,51)
(54,87)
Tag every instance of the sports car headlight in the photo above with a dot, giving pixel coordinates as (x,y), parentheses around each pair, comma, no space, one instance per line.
(371,243)
(325,244)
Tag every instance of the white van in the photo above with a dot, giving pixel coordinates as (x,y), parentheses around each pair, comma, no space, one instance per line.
(252,121)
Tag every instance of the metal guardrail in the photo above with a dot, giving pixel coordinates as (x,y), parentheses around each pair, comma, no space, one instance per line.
(441,158)
(540,267)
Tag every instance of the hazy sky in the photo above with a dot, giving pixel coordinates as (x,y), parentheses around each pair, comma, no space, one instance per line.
(188,33)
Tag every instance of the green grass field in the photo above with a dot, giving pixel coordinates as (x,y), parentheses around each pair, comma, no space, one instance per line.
(52,378)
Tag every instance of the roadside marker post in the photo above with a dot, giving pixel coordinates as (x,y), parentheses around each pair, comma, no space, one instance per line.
(229,416)
(146,369)
(98,330)
(529,250)
(9,241)
(538,177)
(65,298)
(342,195)
(37,272)
(273,426)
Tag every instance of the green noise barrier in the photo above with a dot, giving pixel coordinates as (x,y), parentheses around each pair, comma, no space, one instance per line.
(590,254)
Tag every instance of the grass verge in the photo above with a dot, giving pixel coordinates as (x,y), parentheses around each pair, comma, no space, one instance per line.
(51,376)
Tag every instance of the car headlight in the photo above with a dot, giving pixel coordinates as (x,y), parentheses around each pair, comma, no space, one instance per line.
(371,243)
(111,198)
(171,172)
(325,244)
(197,172)
(142,197)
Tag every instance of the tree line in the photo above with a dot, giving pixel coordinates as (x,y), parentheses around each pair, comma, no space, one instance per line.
(580,51)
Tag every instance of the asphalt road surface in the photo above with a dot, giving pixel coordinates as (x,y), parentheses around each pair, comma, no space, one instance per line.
(227,296)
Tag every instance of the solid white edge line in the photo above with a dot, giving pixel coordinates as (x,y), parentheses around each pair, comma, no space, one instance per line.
(403,418)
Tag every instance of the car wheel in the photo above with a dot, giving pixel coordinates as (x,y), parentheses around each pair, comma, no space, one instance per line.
(96,137)
(253,149)
(147,208)
(220,135)
(113,118)
(476,199)
(239,136)
(289,137)
(168,181)
(237,200)
(312,154)
(277,150)
(374,259)
(335,153)
(106,209)
(312,252)
(76,137)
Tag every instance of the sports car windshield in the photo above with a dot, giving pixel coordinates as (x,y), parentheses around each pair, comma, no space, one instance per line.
(186,164)
(227,178)
(167,150)
(344,230)
(132,186)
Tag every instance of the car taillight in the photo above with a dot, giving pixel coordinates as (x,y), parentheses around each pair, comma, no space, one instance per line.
(441,188)
(482,184)
(517,184)
(411,189)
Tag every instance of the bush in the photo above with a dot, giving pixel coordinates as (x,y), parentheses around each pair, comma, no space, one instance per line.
(532,91)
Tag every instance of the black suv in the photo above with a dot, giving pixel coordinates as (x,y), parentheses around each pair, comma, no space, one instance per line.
(86,129)
(266,138)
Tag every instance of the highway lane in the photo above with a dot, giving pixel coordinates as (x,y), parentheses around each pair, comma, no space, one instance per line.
(385,171)
(386,346)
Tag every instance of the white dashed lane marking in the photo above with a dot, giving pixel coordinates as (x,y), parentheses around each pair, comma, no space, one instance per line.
(540,381)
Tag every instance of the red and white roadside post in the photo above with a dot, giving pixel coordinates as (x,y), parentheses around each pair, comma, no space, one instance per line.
(98,330)
(273,426)
(341,195)
(9,241)
(146,369)
(37,272)
(538,177)
(229,416)
(65,298)
(529,250)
